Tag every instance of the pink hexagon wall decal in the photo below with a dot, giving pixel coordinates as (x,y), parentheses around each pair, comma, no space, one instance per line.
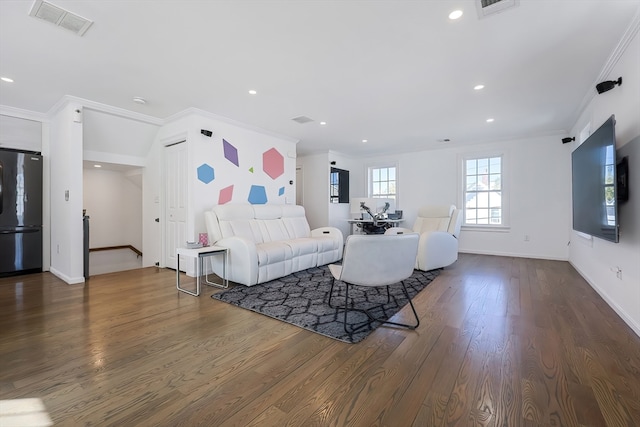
(273,163)
(226,195)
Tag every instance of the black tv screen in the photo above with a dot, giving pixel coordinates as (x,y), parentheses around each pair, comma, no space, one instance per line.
(593,169)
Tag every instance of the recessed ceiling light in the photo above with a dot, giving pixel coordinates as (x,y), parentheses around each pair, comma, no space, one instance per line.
(489,120)
(364,140)
(252,92)
(139,100)
(455,14)
(323,123)
(478,87)
(97,166)
(6,79)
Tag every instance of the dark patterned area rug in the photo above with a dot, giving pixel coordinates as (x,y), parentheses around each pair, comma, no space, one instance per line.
(302,300)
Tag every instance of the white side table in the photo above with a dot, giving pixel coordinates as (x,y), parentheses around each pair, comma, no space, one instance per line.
(201,254)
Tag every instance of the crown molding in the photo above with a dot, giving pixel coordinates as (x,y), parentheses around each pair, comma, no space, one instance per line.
(196,111)
(6,110)
(611,62)
(104,108)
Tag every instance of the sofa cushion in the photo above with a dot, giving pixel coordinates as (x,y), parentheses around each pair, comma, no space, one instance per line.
(271,252)
(272,230)
(295,221)
(238,220)
(305,253)
(274,260)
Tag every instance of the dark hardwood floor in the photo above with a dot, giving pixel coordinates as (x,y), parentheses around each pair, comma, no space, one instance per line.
(502,342)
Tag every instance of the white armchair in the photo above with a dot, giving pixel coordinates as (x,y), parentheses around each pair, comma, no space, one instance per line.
(439,228)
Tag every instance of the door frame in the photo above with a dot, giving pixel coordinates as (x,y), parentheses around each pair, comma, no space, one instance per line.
(166,142)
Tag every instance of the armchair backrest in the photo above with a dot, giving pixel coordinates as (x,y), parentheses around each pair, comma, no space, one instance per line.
(438,218)
(370,260)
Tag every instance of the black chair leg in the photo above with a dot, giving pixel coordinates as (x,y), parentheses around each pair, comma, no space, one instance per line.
(372,318)
(333,281)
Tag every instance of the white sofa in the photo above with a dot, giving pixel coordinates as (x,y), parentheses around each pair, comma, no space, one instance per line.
(269,241)
(439,228)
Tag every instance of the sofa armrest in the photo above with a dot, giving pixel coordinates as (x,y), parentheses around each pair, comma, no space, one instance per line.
(333,235)
(436,249)
(328,232)
(243,260)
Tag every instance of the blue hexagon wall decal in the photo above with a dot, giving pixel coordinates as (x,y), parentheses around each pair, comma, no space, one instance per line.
(281,191)
(257,195)
(205,173)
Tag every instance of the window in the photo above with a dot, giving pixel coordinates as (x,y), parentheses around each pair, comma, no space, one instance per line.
(339,186)
(483,191)
(383,182)
(609,192)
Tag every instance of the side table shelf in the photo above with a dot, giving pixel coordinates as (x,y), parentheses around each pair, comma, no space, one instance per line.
(201,254)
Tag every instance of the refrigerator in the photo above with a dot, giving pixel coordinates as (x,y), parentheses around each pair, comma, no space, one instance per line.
(20,212)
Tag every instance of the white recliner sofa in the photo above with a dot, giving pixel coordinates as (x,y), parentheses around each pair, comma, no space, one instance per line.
(266,242)
(439,228)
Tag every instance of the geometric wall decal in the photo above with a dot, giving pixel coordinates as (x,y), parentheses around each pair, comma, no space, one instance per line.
(230,152)
(273,163)
(281,191)
(225,195)
(205,173)
(251,169)
(257,195)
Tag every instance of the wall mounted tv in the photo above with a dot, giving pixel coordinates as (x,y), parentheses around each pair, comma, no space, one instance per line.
(593,169)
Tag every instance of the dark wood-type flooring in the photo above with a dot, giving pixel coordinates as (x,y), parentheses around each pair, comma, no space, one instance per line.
(502,342)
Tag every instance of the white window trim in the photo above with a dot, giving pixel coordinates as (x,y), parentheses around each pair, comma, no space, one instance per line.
(374,165)
(506,188)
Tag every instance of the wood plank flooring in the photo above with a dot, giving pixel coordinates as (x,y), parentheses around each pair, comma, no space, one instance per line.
(502,342)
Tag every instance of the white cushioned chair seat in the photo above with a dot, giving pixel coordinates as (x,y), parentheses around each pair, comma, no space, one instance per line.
(439,227)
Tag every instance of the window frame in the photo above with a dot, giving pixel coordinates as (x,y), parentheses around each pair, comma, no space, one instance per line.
(505,178)
(382,165)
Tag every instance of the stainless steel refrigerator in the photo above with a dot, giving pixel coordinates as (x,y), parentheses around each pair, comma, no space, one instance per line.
(20,212)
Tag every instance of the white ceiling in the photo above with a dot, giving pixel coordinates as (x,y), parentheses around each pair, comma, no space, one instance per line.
(397,73)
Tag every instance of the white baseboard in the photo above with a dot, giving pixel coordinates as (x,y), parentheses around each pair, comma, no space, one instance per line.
(67,279)
(511,254)
(623,315)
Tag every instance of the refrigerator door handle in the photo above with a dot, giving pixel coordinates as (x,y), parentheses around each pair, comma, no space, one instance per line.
(20,230)
(1,187)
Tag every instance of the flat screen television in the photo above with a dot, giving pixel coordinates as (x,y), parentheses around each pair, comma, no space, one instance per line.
(593,169)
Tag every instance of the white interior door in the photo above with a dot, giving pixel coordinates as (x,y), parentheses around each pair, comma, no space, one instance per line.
(299,186)
(175,184)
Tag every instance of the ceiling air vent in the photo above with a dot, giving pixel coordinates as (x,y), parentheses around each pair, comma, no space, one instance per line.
(490,7)
(60,17)
(302,119)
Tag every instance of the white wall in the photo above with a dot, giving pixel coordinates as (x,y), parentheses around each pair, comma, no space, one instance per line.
(596,258)
(114,205)
(538,181)
(315,168)
(339,212)
(250,143)
(66,213)
(20,134)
